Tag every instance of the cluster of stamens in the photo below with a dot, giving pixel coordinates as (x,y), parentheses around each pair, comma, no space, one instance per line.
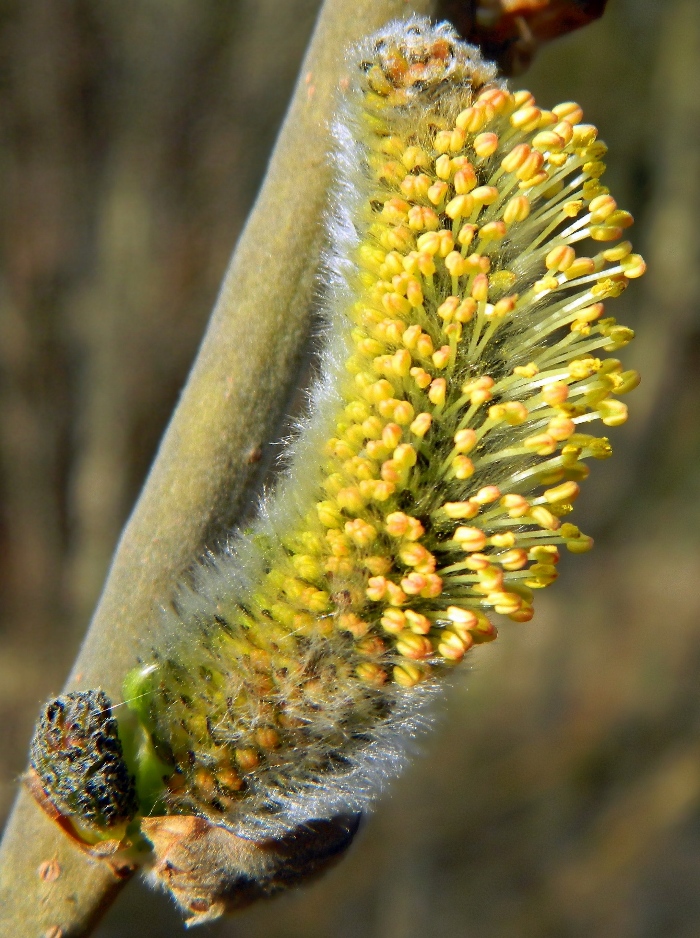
(476,330)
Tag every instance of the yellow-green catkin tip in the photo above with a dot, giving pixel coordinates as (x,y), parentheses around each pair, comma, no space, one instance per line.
(474,252)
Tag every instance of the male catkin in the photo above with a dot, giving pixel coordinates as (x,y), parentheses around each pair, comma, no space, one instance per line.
(445,443)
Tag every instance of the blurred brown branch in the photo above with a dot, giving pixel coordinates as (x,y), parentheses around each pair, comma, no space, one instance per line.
(510,31)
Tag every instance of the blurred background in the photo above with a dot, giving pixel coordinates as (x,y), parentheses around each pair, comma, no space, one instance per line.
(560,793)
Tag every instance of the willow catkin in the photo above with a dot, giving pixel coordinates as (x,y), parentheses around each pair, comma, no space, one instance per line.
(445,442)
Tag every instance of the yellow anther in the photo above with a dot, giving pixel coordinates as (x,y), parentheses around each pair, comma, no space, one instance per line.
(329,514)
(376,588)
(466,309)
(377,565)
(590,313)
(443,167)
(357,411)
(462,467)
(472,119)
(560,258)
(504,603)
(421,377)
(446,310)
(350,499)
(438,389)
(442,141)
(424,345)
(399,238)
(376,449)
(484,195)
(461,510)
(464,180)
(453,647)
(620,219)
(360,532)
(399,524)
(480,288)
(526,371)
(619,337)
(393,621)
(555,393)
(401,362)
(479,389)
(379,391)
(395,304)
(544,518)
(486,495)
(408,675)
(514,413)
(470,539)
(349,622)
(580,368)
(360,468)
(415,555)
(566,492)
(413,157)
(605,232)
(548,140)
(526,118)
(416,187)
(437,192)
(613,413)
(561,428)
(490,579)
(417,622)
(493,231)
(514,559)
(517,209)
(423,218)
(465,440)
(466,234)
(372,428)
(456,264)
(427,585)
(564,130)
(460,207)
(436,243)
(633,266)
(403,413)
(621,250)
(421,424)
(542,443)
(395,210)
(370,347)
(391,435)
(628,381)
(516,157)
(441,357)
(371,673)
(405,455)
(584,134)
(485,145)
(601,207)
(571,209)
(580,545)
(569,111)
(530,166)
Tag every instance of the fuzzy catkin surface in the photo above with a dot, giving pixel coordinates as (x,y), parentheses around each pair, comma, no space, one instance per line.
(445,443)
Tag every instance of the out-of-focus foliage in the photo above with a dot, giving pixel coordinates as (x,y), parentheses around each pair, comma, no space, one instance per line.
(561,794)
